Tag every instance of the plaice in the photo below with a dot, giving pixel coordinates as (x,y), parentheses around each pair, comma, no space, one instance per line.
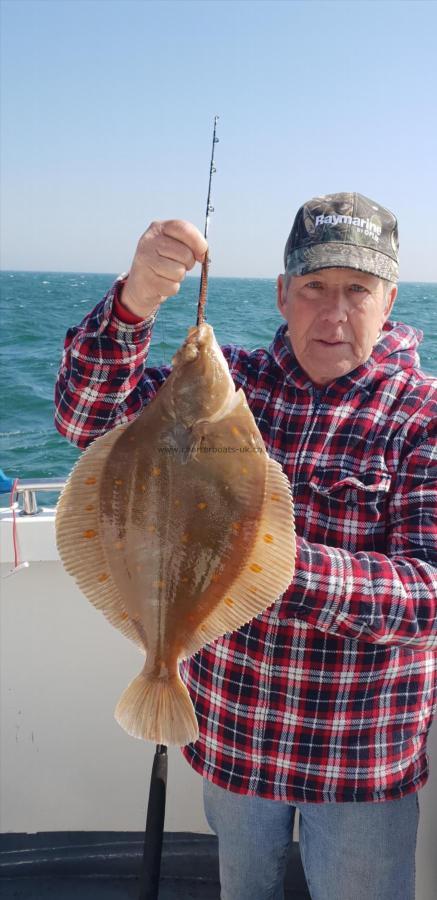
(179,528)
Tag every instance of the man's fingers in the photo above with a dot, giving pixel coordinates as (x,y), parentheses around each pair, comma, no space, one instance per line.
(187,234)
(168,268)
(157,284)
(165,252)
(170,248)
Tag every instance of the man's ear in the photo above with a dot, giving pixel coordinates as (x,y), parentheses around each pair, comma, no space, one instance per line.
(391,297)
(281,293)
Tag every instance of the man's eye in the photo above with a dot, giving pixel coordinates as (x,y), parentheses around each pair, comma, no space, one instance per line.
(313,284)
(358,288)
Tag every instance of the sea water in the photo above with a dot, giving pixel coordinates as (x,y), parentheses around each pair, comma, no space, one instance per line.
(38,307)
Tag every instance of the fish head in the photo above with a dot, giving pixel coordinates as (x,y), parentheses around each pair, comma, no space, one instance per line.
(201,382)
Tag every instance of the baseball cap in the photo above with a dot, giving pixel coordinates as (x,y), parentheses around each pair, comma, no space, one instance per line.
(343,230)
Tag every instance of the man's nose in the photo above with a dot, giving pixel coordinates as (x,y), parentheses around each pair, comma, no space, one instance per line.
(335,308)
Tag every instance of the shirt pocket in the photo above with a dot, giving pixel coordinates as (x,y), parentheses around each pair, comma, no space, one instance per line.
(348,509)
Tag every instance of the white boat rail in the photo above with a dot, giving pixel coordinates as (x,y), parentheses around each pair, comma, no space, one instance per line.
(27,488)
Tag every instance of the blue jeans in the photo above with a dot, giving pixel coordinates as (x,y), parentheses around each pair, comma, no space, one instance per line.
(350,851)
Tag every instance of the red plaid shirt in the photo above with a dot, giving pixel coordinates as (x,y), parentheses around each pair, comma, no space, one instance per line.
(329,694)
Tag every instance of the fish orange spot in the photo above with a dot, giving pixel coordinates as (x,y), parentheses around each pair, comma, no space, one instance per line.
(118,545)
(229,601)
(143,487)
(90,507)
(244,470)
(177,503)
(215,578)
(124,616)
(235,431)
(89,534)
(90,480)
(151,528)
(268,538)
(275,497)
(236,526)
(103,577)
(159,583)
(118,481)
(255,567)
(185,537)
(253,590)
(202,505)
(156,471)
(184,581)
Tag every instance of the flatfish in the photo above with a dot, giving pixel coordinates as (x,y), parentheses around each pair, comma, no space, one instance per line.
(179,528)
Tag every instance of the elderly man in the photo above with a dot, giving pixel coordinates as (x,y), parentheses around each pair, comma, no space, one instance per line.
(322,703)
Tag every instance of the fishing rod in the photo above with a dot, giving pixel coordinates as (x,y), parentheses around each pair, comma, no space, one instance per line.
(209,209)
(154,833)
(152,853)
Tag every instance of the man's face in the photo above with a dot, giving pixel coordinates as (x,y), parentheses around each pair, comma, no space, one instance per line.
(334,317)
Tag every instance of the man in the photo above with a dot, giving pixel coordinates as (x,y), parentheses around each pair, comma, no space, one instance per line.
(323,702)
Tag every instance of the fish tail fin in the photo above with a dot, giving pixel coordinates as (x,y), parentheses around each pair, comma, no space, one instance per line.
(159,710)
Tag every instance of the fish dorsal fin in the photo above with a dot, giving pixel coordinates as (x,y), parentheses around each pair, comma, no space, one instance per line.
(78,534)
(267,572)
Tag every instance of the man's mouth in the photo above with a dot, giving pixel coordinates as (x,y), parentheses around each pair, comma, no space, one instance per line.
(330,343)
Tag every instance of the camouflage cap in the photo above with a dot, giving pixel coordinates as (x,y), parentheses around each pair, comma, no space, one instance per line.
(346,231)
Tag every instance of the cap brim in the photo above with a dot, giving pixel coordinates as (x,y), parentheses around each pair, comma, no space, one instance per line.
(344,256)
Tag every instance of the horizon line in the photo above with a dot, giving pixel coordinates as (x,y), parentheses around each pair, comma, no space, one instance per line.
(114,275)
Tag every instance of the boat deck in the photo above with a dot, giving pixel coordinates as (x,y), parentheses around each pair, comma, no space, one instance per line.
(106,866)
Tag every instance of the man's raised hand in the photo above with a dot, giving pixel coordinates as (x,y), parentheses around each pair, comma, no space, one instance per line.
(164,255)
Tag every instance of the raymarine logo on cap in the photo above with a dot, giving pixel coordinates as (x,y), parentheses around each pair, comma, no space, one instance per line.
(371,227)
(343,230)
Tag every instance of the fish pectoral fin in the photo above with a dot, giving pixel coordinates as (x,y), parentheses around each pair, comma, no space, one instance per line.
(78,535)
(185,442)
(191,451)
(267,572)
(234,427)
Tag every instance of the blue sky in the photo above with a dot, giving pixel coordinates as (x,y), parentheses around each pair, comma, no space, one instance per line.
(107,111)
